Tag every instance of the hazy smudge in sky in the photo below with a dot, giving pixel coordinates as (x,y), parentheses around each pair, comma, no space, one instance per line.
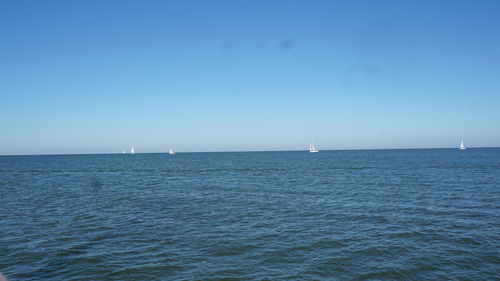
(229,46)
(286,44)
(356,70)
(371,69)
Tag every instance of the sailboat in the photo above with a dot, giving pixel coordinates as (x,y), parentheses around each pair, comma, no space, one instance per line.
(132,151)
(462,147)
(171,151)
(312,148)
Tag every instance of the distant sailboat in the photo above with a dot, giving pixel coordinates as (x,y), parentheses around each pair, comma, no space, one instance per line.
(312,148)
(171,151)
(462,147)
(123,152)
(132,151)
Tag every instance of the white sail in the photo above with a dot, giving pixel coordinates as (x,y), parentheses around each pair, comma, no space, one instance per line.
(171,151)
(462,147)
(132,150)
(312,148)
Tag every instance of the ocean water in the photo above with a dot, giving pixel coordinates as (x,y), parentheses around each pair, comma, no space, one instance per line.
(423,214)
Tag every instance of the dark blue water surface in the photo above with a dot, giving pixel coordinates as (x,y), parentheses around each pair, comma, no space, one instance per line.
(427,214)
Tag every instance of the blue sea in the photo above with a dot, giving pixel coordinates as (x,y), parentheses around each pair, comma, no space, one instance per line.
(421,214)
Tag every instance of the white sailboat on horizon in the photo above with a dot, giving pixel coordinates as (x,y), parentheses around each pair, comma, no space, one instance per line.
(312,148)
(171,152)
(132,151)
(462,147)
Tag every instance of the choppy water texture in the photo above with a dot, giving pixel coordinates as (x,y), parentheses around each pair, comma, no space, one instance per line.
(348,215)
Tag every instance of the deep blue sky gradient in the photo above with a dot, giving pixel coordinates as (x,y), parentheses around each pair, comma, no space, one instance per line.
(101,76)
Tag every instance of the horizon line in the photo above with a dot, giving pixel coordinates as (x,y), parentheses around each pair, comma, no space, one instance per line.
(242,151)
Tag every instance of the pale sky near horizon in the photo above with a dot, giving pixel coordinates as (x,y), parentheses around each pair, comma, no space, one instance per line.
(102,76)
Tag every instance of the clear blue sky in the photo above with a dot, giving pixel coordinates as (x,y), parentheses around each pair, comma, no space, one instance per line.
(102,76)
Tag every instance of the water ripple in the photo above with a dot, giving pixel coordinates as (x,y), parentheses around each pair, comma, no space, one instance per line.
(345,215)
